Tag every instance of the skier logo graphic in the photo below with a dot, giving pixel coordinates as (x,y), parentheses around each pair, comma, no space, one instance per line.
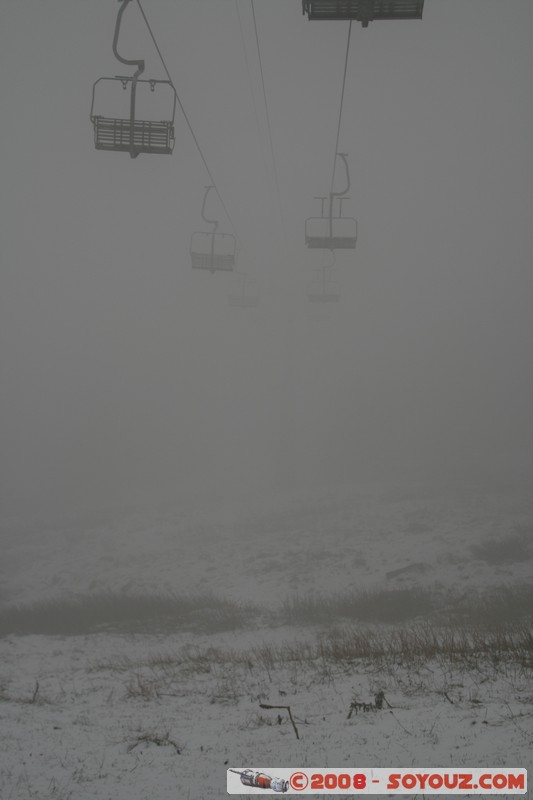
(261,781)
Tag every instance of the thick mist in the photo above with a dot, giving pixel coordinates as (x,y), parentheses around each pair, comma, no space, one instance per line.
(126,376)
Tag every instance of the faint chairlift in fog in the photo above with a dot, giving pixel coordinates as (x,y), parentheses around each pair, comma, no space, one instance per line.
(332,231)
(324,289)
(114,110)
(363,11)
(244,293)
(211,250)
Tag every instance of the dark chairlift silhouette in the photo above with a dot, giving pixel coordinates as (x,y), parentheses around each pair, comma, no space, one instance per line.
(332,231)
(126,132)
(212,250)
(363,11)
(245,292)
(323,289)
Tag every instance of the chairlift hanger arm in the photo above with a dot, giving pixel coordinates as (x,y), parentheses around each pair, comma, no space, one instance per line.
(340,195)
(129,62)
(209,221)
(348,183)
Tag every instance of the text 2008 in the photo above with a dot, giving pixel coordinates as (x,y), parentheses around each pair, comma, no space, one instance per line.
(330,780)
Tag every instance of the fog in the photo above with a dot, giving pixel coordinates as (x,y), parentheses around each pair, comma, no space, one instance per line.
(126,375)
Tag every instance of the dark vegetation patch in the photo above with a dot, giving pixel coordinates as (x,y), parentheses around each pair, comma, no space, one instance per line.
(511,549)
(417,528)
(501,606)
(124,613)
(423,642)
(208,613)
(409,569)
(340,647)
(387,606)
(392,606)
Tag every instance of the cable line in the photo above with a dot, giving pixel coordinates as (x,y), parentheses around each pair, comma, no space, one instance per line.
(332,231)
(341,104)
(248,71)
(269,129)
(185,116)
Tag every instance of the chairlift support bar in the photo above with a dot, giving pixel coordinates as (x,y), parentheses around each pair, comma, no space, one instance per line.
(209,221)
(340,195)
(212,222)
(129,62)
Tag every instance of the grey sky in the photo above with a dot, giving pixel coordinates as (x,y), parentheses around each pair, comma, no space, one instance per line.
(124,373)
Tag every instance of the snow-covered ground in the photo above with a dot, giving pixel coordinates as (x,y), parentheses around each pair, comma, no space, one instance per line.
(263,549)
(117,717)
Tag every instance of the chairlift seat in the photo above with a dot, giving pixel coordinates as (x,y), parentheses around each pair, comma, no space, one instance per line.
(363,11)
(323,297)
(321,291)
(214,263)
(149,127)
(341,235)
(248,301)
(331,242)
(144,136)
(213,251)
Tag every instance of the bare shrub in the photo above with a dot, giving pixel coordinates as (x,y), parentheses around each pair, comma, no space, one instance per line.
(141,687)
(385,605)
(159,739)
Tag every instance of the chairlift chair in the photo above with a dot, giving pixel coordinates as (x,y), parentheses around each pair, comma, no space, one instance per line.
(127,133)
(332,231)
(363,11)
(246,294)
(323,289)
(211,250)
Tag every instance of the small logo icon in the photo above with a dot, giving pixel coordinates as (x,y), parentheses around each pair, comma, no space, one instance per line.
(261,781)
(299,781)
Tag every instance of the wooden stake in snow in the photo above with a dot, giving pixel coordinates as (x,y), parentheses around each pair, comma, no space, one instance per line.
(287,708)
